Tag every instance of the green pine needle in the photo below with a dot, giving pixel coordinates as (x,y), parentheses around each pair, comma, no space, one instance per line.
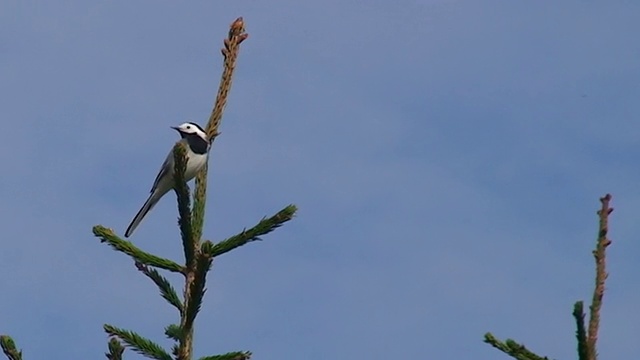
(265,226)
(512,348)
(236,355)
(166,289)
(127,247)
(138,343)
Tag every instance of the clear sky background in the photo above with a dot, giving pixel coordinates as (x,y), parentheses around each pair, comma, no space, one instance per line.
(447,158)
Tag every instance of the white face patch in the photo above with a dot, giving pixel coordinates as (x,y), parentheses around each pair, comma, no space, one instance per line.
(190,128)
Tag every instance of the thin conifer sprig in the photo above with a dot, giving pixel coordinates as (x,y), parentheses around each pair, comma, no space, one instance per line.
(197,290)
(197,269)
(184,349)
(236,355)
(137,343)
(265,226)
(115,350)
(166,289)
(512,348)
(586,338)
(9,348)
(581,333)
(184,204)
(230,51)
(108,236)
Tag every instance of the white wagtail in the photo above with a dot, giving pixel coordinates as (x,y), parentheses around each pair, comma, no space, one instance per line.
(198,145)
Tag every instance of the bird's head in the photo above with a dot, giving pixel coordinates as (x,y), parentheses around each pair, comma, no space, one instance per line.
(191,129)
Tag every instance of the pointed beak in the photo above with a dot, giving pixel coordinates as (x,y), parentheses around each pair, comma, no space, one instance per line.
(175,128)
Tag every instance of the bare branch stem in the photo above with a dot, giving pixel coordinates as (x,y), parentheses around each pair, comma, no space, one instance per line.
(601,275)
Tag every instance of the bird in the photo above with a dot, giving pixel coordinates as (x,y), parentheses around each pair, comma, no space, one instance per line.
(197,144)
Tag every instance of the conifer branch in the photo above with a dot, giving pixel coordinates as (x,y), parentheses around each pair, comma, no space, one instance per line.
(115,350)
(236,355)
(9,348)
(581,334)
(265,226)
(185,343)
(199,202)
(203,264)
(599,255)
(194,293)
(230,52)
(184,203)
(138,343)
(166,289)
(195,276)
(108,236)
(512,348)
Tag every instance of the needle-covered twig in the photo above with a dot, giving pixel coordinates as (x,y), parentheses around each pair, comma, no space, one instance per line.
(512,348)
(237,355)
(115,350)
(265,226)
(9,348)
(581,331)
(184,203)
(127,247)
(230,52)
(166,289)
(138,343)
(196,273)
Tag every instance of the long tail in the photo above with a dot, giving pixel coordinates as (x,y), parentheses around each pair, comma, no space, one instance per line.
(148,205)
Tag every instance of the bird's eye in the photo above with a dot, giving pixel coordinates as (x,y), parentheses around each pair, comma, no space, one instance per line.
(188,126)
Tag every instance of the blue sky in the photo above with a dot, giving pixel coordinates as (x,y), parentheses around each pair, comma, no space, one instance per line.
(446,156)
